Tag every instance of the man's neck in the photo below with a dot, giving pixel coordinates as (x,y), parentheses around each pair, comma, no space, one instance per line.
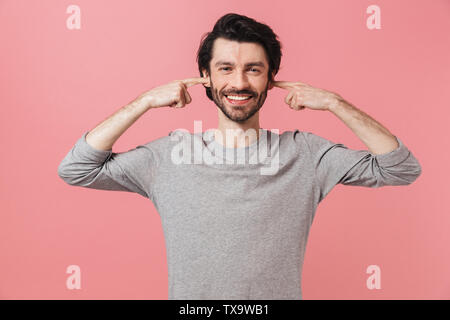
(238,132)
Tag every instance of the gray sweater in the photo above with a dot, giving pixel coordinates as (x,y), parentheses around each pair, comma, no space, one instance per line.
(236,230)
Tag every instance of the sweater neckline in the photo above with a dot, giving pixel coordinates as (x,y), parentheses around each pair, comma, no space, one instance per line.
(208,138)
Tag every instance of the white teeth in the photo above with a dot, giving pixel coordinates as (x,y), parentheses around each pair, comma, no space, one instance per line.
(238,98)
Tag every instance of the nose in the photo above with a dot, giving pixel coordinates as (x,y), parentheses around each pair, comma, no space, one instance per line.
(239,81)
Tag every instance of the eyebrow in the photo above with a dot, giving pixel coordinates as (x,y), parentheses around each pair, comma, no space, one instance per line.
(250,64)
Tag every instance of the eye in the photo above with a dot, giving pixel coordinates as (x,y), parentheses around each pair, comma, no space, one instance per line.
(253,69)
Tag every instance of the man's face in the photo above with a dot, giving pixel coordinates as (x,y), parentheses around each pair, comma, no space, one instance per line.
(238,69)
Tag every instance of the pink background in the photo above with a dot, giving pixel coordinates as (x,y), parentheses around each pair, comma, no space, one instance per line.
(57,83)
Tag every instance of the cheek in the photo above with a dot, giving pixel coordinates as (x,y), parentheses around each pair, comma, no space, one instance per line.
(217,87)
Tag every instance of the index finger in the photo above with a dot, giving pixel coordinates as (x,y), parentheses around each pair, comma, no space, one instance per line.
(283,84)
(288,84)
(193,81)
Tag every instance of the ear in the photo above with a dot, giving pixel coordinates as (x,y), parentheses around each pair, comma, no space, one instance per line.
(271,81)
(205,75)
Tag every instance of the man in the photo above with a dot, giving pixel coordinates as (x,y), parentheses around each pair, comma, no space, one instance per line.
(232,232)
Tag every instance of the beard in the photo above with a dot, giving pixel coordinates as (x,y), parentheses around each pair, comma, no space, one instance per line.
(239,113)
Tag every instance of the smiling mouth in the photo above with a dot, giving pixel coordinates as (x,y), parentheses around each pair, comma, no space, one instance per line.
(238,99)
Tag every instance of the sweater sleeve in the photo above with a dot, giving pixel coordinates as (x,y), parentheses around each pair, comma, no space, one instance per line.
(130,171)
(335,163)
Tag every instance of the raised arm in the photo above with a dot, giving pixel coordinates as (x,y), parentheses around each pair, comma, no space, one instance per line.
(387,162)
(334,163)
(92,164)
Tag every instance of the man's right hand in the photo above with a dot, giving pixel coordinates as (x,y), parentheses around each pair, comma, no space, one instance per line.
(173,94)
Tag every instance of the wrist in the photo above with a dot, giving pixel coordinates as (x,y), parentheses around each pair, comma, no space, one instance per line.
(144,102)
(335,103)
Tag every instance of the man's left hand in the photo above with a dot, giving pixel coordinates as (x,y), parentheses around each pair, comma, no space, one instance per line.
(302,95)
